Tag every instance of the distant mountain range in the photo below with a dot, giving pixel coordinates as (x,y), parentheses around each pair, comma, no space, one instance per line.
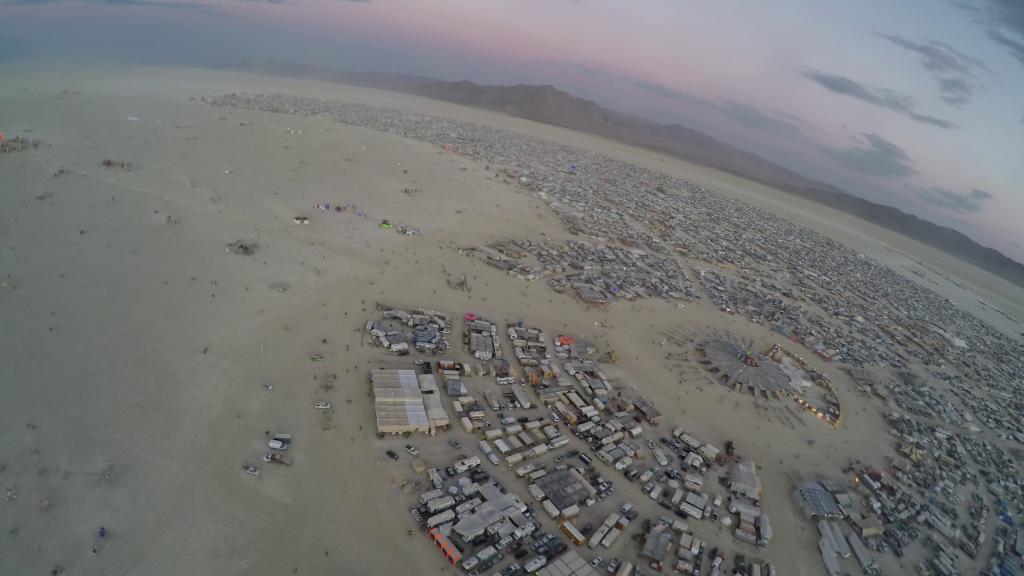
(550,105)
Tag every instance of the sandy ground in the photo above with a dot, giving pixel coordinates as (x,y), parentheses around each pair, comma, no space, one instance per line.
(134,347)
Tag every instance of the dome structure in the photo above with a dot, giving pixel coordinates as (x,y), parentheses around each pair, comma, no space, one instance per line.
(738,368)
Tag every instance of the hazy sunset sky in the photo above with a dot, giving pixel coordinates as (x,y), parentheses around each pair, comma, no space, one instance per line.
(917,104)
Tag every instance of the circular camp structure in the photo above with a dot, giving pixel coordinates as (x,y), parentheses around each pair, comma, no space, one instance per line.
(738,368)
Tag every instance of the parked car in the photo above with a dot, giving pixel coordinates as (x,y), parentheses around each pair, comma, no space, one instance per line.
(412,450)
(277,458)
(391,454)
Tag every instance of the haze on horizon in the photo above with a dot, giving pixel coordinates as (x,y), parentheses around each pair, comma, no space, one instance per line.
(924,114)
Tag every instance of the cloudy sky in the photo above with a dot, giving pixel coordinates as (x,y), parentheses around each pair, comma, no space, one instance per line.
(918,104)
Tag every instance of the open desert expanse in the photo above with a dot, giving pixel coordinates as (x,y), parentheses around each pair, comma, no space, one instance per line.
(135,346)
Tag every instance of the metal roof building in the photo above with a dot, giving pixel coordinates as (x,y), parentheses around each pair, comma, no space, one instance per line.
(398,402)
(656,545)
(436,414)
(815,501)
(743,480)
(497,506)
(568,564)
(565,488)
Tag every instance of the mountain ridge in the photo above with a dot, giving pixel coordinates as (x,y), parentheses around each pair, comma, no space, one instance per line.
(548,104)
(551,105)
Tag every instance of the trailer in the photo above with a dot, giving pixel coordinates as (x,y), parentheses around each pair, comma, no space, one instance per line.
(439,504)
(428,496)
(677,497)
(467,506)
(558,442)
(610,538)
(536,474)
(659,456)
(691,510)
(442,518)
(550,508)
(602,530)
(525,469)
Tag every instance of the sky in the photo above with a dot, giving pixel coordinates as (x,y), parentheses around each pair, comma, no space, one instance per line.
(918,104)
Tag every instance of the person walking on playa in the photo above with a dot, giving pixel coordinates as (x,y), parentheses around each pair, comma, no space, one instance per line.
(102,533)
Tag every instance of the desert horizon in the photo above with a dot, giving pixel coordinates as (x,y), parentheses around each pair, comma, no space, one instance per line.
(148,357)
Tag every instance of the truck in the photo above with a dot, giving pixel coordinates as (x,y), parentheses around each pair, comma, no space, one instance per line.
(435,478)
(277,458)
(279,441)
(466,464)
